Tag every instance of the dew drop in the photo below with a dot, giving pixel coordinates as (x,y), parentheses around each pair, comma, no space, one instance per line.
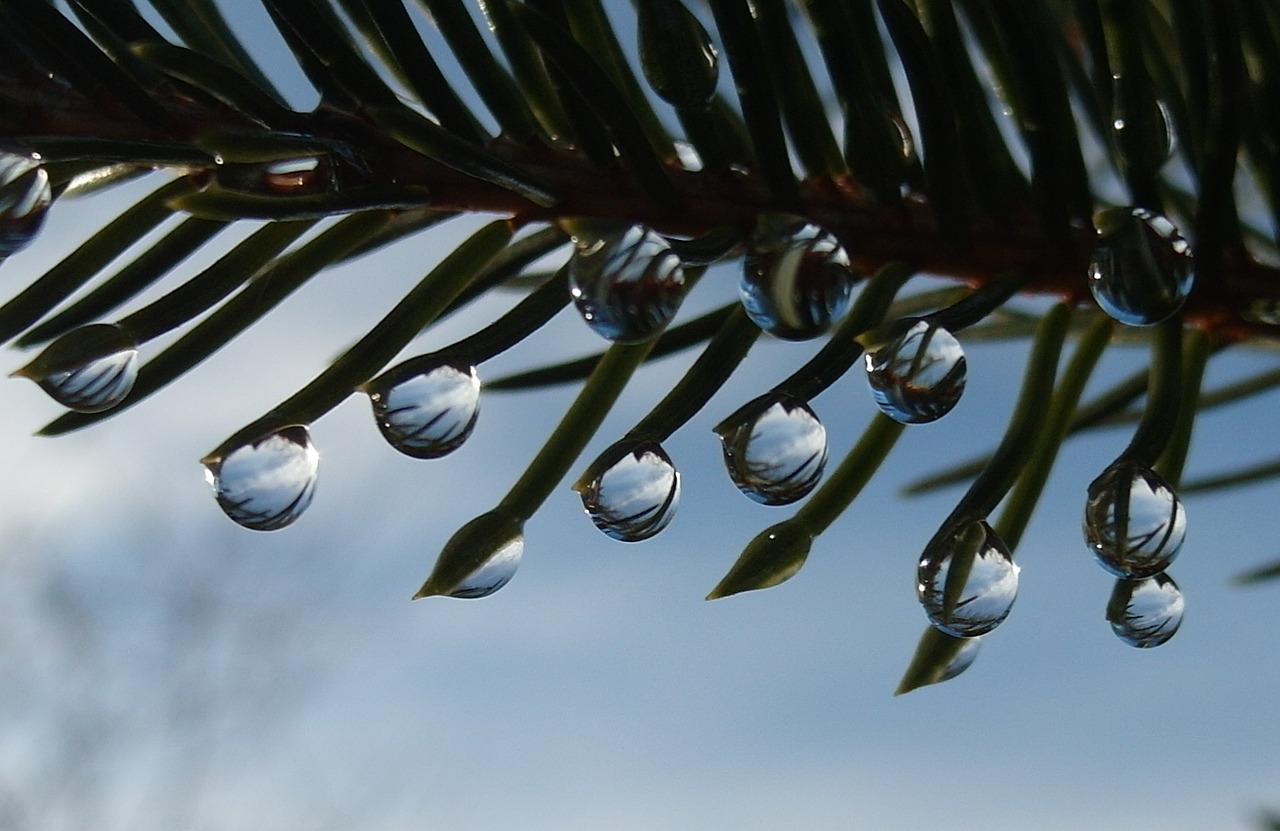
(967,581)
(962,660)
(480,558)
(430,413)
(25,196)
(919,375)
(1134,522)
(1145,613)
(298,176)
(1141,269)
(775,449)
(796,278)
(89,369)
(626,286)
(266,484)
(631,491)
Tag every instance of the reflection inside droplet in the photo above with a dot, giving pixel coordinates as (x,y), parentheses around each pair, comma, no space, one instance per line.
(90,369)
(430,413)
(494,573)
(25,196)
(963,659)
(967,581)
(635,492)
(626,286)
(919,375)
(1145,613)
(481,557)
(775,449)
(268,483)
(1134,522)
(796,278)
(1141,269)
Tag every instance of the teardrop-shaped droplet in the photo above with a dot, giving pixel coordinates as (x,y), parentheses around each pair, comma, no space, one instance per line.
(430,413)
(796,278)
(89,369)
(631,491)
(626,286)
(775,449)
(1133,521)
(919,375)
(1141,270)
(1142,125)
(676,55)
(1145,613)
(25,196)
(480,558)
(967,581)
(962,660)
(268,483)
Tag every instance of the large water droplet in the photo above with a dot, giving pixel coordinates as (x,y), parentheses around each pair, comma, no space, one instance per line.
(796,278)
(268,483)
(25,196)
(632,491)
(480,558)
(431,412)
(1145,613)
(962,660)
(626,286)
(775,448)
(967,581)
(1133,521)
(89,369)
(1141,270)
(919,375)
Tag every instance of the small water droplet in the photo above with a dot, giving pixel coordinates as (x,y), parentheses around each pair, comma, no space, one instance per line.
(298,176)
(775,448)
(1134,522)
(1141,269)
(89,369)
(919,375)
(25,196)
(632,491)
(1145,613)
(431,412)
(963,659)
(266,484)
(626,286)
(967,581)
(796,278)
(480,558)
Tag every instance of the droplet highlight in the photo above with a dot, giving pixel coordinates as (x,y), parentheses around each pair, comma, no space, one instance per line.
(266,484)
(89,369)
(25,197)
(430,413)
(967,581)
(627,286)
(1134,522)
(775,449)
(796,278)
(919,375)
(632,491)
(1145,613)
(1141,270)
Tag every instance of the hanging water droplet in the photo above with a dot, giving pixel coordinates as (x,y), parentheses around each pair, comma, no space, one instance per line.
(631,491)
(796,278)
(1145,613)
(89,369)
(775,448)
(962,660)
(431,412)
(266,484)
(25,196)
(919,375)
(1141,269)
(967,581)
(626,286)
(1133,521)
(1142,125)
(480,558)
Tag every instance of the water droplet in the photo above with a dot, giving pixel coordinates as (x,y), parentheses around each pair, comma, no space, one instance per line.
(431,412)
(775,448)
(631,491)
(480,558)
(676,55)
(967,581)
(773,556)
(25,196)
(919,375)
(268,483)
(796,278)
(89,369)
(962,660)
(298,176)
(1133,521)
(626,286)
(1145,613)
(1141,270)
(1142,126)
